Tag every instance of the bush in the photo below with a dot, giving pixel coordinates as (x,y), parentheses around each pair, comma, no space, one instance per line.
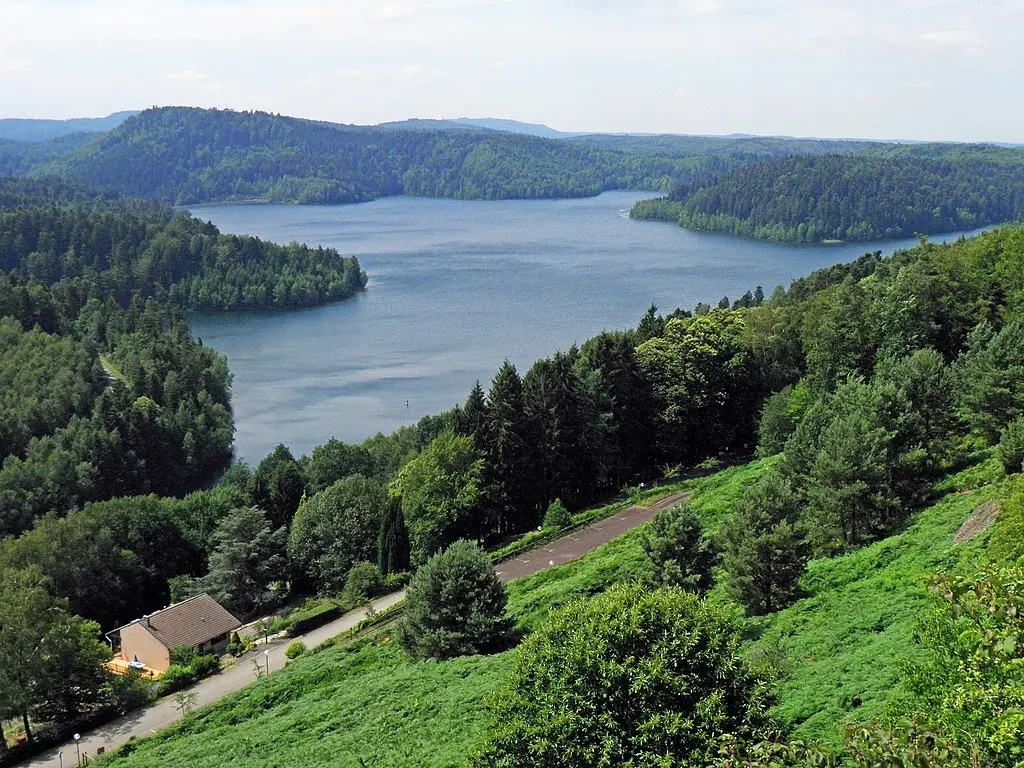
(173,679)
(183,655)
(280,625)
(204,666)
(455,606)
(235,645)
(363,582)
(557,515)
(313,616)
(295,650)
(631,677)
(1011,446)
(678,553)
(130,691)
(396,581)
(178,676)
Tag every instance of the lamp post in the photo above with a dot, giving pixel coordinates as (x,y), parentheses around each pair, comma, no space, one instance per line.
(266,655)
(78,746)
(60,757)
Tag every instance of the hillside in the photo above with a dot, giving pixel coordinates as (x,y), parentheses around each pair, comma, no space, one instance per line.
(27,129)
(185,155)
(363,703)
(18,157)
(53,231)
(877,193)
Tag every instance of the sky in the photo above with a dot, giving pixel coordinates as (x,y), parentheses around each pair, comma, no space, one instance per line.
(885,69)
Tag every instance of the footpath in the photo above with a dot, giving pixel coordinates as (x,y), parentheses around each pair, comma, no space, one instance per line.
(149,720)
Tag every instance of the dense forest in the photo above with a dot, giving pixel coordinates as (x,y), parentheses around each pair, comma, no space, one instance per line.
(865,382)
(878,193)
(100,401)
(52,232)
(18,158)
(185,155)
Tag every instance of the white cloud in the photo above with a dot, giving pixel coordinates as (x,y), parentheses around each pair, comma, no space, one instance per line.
(10,66)
(699,6)
(189,76)
(760,66)
(953,37)
(393,11)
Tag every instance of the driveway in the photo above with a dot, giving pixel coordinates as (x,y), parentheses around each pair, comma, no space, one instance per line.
(151,719)
(164,712)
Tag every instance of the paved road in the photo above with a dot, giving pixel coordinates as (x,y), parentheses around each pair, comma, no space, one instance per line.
(582,541)
(163,713)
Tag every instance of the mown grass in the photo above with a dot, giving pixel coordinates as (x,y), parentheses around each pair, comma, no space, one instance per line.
(362,703)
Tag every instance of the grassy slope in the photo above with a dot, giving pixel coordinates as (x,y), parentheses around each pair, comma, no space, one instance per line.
(351,705)
(843,644)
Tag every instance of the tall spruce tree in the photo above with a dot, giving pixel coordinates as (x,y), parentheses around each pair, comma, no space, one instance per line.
(508,495)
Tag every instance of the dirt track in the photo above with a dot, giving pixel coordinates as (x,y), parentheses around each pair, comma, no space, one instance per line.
(582,541)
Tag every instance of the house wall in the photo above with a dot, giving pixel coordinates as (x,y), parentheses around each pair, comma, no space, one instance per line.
(137,642)
(217,645)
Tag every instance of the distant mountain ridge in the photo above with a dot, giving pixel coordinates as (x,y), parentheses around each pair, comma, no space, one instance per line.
(30,129)
(186,155)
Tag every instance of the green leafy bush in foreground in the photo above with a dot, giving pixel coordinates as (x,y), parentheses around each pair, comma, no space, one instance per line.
(629,678)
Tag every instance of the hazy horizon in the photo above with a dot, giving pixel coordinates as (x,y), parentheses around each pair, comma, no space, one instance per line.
(928,70)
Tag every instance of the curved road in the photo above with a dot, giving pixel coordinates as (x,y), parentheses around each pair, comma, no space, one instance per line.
(162,713)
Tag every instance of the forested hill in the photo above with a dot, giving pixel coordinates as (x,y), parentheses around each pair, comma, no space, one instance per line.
(52,232)
(883,192)
(187,155)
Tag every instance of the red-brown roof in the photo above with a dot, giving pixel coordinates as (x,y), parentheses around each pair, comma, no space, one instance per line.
(190,622)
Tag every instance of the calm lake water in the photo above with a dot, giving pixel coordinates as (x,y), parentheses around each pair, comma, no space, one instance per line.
(455,288)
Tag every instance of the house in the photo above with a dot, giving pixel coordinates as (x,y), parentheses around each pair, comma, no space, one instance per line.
(199,622)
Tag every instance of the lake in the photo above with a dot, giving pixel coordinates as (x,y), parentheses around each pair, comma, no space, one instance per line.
(455,288)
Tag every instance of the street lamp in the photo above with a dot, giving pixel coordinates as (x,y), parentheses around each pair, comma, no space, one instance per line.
(266,655)
(60,756)
(78,746)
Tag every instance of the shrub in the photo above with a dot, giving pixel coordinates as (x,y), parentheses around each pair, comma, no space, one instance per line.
(177,676)
(235,645)
(295,650)
(631,677)
(971,687)
(363,582)
(396,581)
(204,666)
(454,606)
(130,691)
(280,625)
(1011,446)
(173,679)
(678,553)
(313,616)
(557,515)
(183,655)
